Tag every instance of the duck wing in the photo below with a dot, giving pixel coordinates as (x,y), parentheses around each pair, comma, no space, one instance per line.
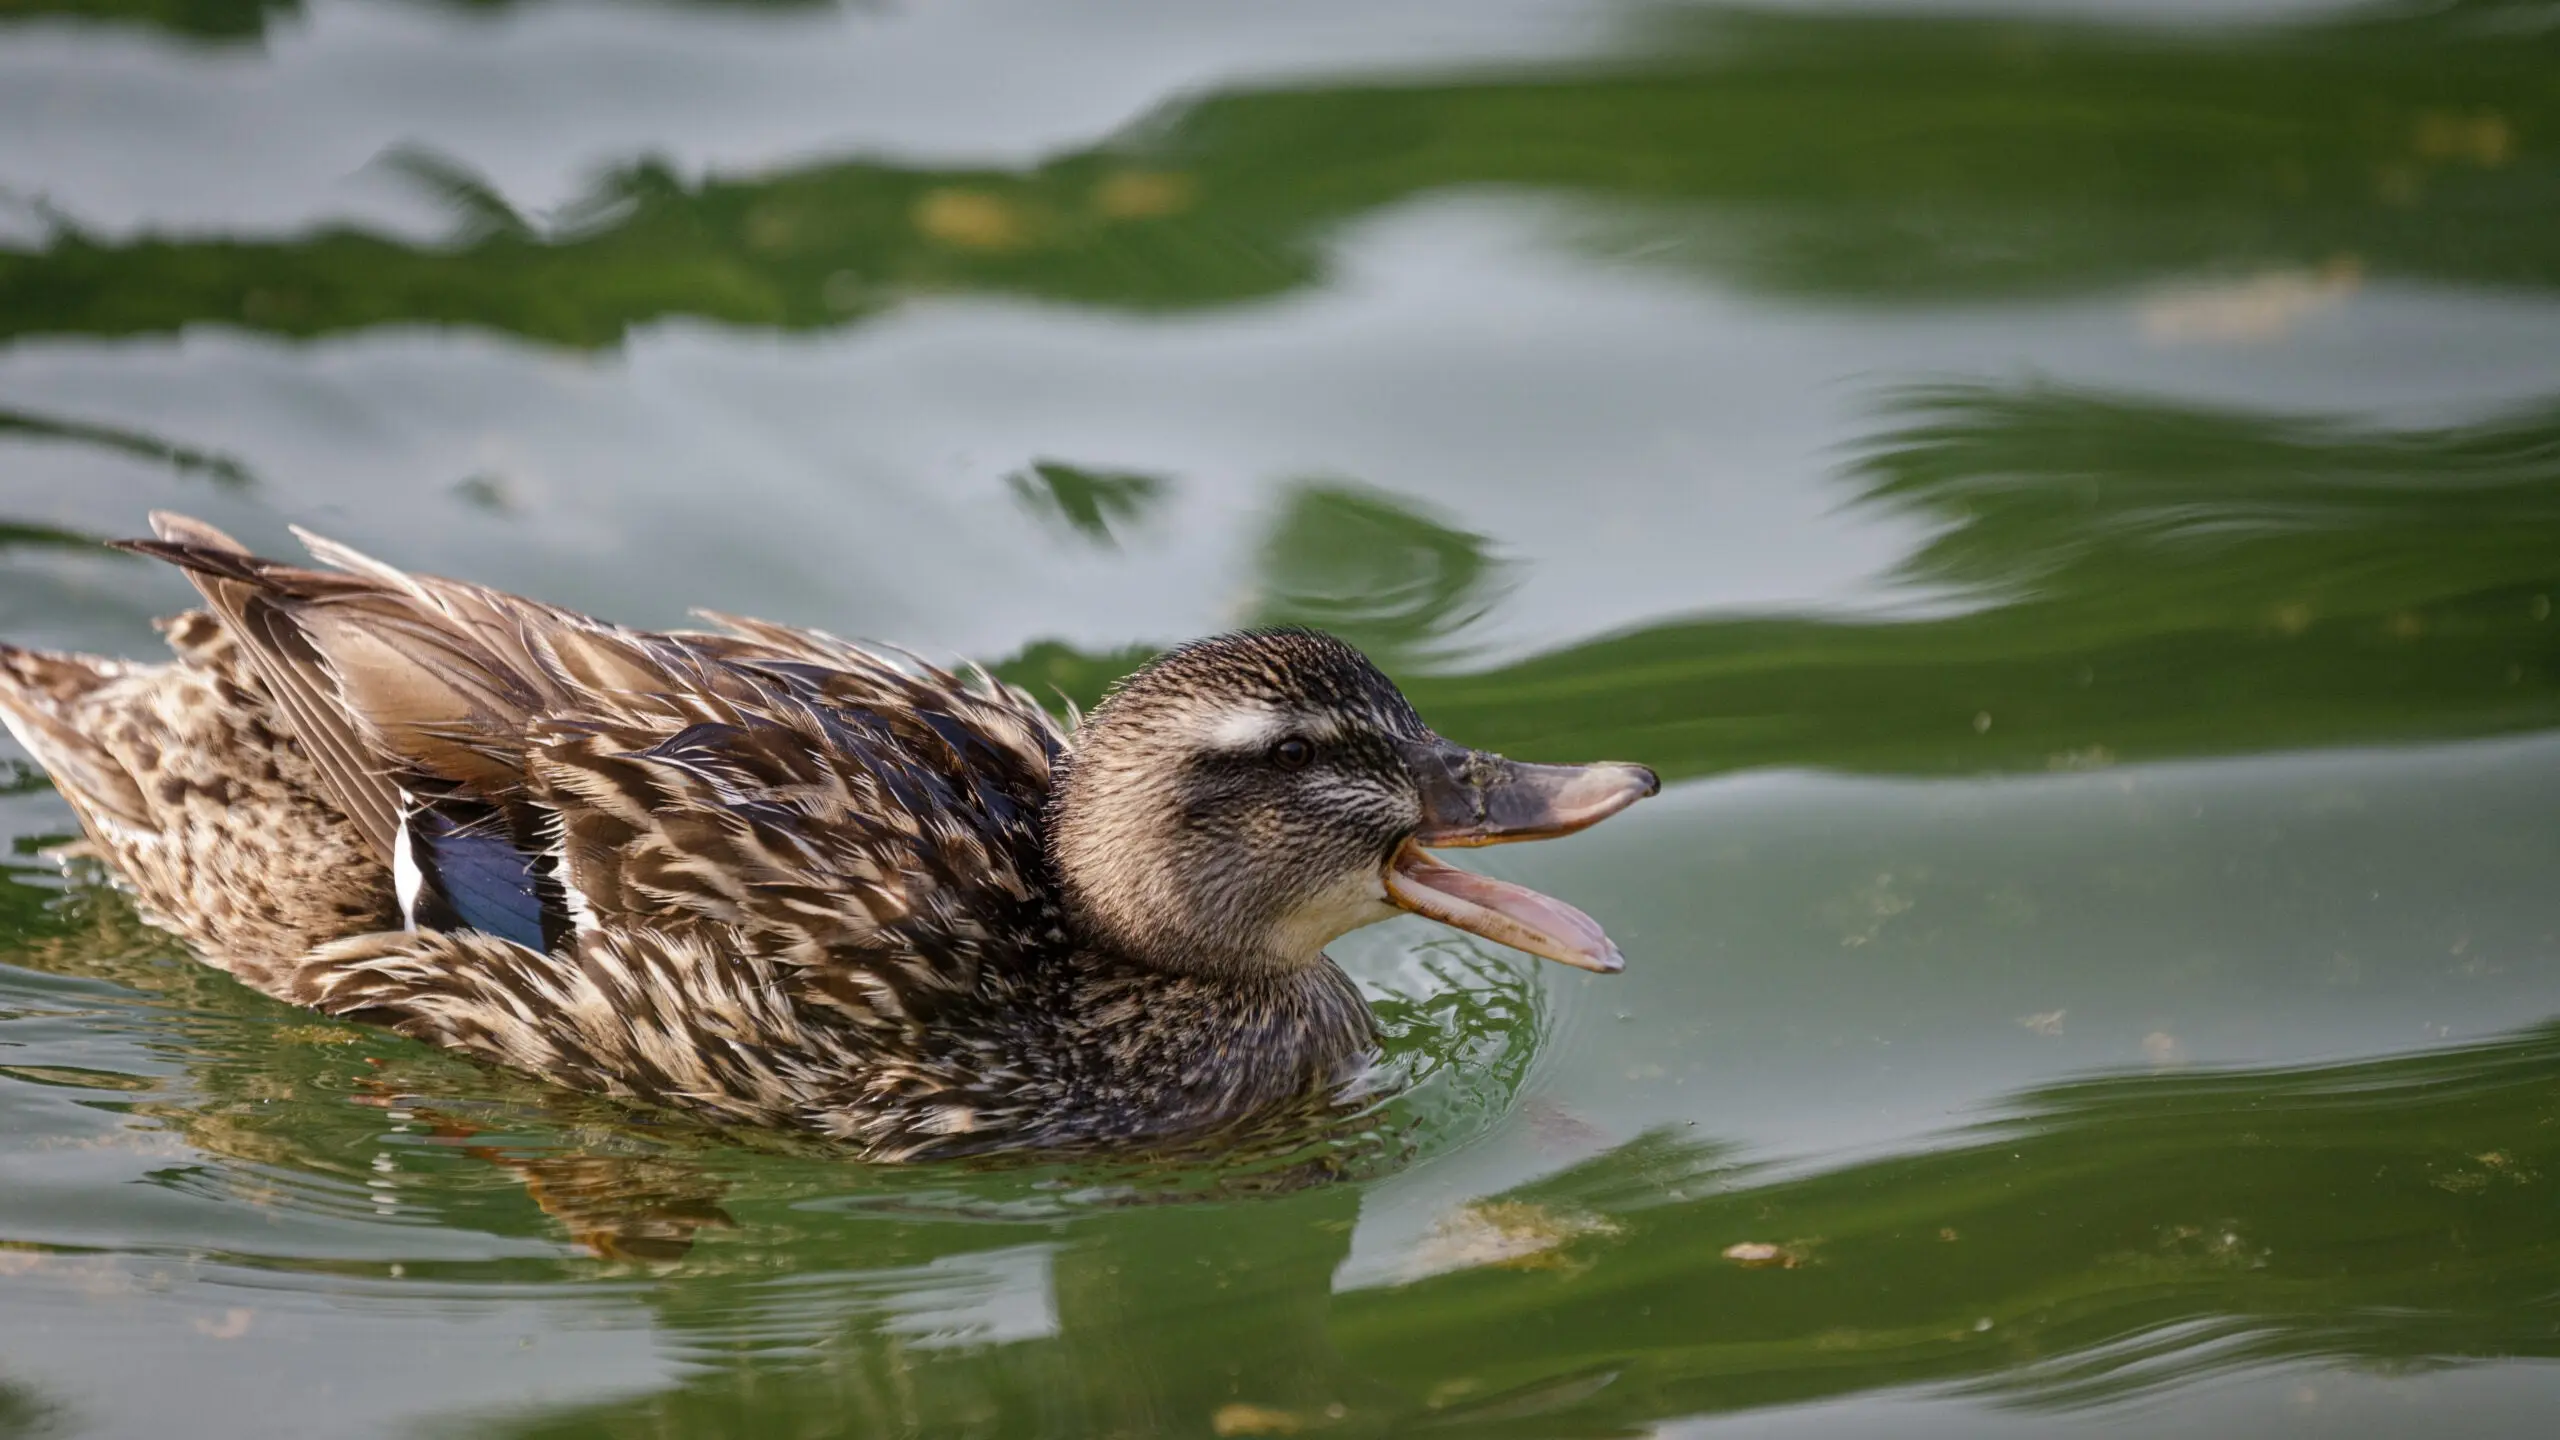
(874,823)
(226,575)
(533,773)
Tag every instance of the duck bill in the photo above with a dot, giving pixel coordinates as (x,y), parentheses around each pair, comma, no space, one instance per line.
(1472,798)
(1500,911)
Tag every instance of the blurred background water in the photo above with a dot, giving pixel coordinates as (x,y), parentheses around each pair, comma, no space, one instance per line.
(2067,493)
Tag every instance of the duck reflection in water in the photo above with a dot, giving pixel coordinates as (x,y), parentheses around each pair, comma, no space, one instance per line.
(2193,1220)
(2190,1218)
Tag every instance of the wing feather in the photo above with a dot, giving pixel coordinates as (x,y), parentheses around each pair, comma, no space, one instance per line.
(227,576)
(872,822)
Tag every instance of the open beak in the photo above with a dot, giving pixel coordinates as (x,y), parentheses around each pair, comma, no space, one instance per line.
(1470,797)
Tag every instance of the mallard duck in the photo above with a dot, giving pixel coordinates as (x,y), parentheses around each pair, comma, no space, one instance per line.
(777,878)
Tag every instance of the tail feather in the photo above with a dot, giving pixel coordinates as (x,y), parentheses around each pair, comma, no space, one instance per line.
(250,597)
(180,529)
(40,694)
(191,787)
(382,673)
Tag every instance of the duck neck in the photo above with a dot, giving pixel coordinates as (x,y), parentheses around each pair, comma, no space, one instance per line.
(1215,1045)
(1138,882)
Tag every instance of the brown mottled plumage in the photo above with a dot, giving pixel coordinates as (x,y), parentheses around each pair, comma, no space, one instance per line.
(774,877)
(184,782)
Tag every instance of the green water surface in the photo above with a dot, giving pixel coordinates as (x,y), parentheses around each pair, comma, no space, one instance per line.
(2067,494)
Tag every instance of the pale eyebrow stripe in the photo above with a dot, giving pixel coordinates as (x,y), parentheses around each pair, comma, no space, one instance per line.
(1252,726)
(1243,727)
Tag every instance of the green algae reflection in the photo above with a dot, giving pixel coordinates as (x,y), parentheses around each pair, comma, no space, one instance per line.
(2108,1236)
(2085,1242)
(2132,580)
(1837,155)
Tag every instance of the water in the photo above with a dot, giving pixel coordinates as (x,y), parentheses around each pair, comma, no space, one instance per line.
(2068,495)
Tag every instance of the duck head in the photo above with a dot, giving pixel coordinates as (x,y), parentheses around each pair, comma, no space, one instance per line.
(1242,801)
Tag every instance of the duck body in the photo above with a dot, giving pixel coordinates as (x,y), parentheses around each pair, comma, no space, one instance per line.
(764,874)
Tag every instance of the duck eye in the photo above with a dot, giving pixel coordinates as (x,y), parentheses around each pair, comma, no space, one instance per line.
(1292,754)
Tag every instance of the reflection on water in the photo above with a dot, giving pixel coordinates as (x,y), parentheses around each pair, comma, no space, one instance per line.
(1374,571)
(2164,581)
(1095,504)
(2112,1235)
(2145,581)
(185,459)
(2100,1238)
(2182,382)
(1840,155)
(247,19)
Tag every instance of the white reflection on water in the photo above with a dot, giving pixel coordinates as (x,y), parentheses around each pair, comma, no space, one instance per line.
(2332,1402)
(982,1297)
(1644,445)
(1827,967)
(229,1353)
(142,132)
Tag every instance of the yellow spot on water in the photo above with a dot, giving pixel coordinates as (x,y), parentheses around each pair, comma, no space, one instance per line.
(1243,1419)
(1512,1234)
(971,220)
(319,1035)
(2483,138)
(1142,195)
(1762,1255)
(2249,309)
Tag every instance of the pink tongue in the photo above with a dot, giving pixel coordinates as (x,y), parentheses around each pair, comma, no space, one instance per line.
(1504,913)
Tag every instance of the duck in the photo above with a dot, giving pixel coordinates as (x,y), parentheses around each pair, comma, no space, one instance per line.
(776,878)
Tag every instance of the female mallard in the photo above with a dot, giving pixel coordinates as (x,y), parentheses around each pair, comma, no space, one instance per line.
(774,877)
